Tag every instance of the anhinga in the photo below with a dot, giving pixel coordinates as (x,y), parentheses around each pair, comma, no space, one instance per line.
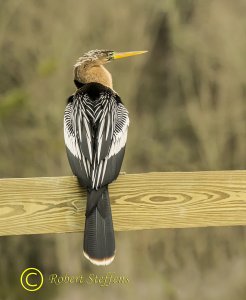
(95,132)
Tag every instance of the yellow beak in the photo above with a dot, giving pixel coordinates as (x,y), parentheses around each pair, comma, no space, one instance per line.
(118,55)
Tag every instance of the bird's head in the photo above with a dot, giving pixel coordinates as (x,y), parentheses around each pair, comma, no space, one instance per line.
(94,57)
(89,67)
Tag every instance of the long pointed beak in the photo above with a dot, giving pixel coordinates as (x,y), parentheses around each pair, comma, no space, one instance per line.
(118,55)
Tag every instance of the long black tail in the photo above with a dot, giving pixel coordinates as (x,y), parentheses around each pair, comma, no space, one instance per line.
(99,243)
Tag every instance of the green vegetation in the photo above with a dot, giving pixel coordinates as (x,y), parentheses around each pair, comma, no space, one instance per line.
(186,100)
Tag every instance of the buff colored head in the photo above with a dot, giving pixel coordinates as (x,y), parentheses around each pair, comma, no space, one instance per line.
(89,67)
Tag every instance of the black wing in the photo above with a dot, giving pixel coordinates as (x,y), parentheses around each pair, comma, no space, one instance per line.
(95,135)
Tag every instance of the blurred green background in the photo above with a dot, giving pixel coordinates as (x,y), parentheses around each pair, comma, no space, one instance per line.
(186,100)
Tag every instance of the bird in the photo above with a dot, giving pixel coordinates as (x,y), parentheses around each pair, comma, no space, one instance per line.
(95,133)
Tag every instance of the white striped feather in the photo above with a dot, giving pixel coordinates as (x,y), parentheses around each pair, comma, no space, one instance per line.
(83,112)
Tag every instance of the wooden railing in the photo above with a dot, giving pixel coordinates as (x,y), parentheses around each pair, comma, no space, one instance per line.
(139,201)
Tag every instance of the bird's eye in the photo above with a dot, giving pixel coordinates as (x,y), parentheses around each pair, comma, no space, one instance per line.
(110,55)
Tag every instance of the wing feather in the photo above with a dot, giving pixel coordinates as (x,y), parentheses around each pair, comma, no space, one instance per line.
(78,140)
(95,134)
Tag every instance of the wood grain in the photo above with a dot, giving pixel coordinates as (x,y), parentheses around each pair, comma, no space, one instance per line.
(139,201)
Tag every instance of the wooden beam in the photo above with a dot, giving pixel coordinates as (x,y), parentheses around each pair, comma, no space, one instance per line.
(139,201)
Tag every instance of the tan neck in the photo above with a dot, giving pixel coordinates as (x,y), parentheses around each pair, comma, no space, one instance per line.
(96,73)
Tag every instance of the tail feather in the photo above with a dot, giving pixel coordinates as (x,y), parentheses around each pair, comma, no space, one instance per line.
(99,242)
